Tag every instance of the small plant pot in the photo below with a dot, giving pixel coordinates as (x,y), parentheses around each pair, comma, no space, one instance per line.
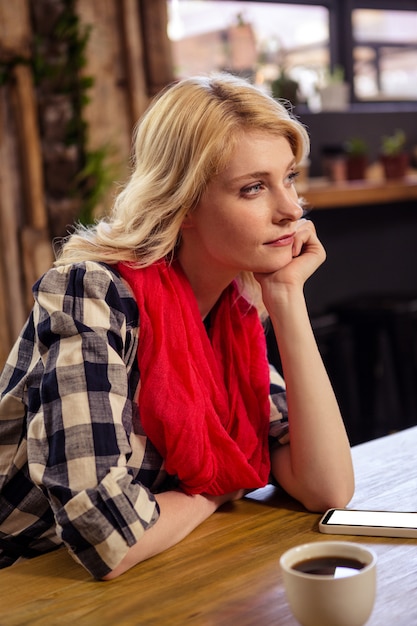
(395,166)
(356,167)
(335,97)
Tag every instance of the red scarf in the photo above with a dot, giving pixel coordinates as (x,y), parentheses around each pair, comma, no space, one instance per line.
(203,400)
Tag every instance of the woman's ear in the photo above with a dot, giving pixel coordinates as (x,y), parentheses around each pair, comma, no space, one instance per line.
(187,222)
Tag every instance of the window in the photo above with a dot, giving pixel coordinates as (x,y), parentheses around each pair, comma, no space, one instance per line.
(385,54)
(373,43)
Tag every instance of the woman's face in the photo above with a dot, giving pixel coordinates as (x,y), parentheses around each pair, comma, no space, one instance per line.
(247,215)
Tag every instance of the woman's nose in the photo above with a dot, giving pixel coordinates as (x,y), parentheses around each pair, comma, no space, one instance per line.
(288,207)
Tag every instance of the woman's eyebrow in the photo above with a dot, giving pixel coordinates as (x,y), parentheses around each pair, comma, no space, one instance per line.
(250,175)
(260,174)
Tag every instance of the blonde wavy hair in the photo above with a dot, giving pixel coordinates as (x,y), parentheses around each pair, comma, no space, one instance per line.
(185,137)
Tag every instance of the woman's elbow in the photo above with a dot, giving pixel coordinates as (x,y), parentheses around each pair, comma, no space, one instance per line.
(117,571)
(334,498)
(111,575)
(120,569)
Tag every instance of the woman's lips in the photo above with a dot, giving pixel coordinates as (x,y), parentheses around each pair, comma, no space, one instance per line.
(285,240)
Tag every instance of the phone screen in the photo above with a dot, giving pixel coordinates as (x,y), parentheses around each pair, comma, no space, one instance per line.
(390,519)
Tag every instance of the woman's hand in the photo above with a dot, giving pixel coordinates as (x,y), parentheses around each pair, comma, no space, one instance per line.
(307,255)
(308,252)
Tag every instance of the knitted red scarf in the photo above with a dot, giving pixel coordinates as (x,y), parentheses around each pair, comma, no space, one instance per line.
(203,400)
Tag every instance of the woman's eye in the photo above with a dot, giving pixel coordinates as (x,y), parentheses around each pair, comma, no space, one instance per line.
(252,189)
(292,177)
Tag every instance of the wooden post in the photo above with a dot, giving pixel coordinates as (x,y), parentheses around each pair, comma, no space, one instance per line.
(134,59)
(157,47)
(5,330)
(15,31)
(35,242)
(27,126)
(11,293)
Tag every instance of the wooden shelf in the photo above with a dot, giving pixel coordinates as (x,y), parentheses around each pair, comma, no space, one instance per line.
(324,195)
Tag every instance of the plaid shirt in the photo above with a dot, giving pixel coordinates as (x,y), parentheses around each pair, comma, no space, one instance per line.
(73,467)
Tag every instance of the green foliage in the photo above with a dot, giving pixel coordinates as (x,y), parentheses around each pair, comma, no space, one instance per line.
(6,68)
(94,180)
(393,144)
(356,146)
(283,87)
(335,76)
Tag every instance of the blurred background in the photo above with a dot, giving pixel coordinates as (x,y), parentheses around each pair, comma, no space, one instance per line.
(76,75)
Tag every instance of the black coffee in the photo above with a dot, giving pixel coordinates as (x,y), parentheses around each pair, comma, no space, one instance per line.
(336,566)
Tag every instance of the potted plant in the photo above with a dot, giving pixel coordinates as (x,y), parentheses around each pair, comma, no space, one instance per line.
(356,150)
(334,93)
(284,87)
(394,157)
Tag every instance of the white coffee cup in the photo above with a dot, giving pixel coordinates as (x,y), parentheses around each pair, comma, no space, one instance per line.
(343,598)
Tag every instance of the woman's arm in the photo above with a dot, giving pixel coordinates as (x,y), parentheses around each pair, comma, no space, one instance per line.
(179,515)
(316,467)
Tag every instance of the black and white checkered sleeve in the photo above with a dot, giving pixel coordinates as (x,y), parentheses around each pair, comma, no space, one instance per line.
(78,442)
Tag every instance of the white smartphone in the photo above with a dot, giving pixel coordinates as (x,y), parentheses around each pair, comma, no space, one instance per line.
(373,523)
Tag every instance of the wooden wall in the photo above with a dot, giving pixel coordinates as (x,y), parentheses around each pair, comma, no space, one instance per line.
(128,55)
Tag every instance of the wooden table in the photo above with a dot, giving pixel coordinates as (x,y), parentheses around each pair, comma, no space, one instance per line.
(226,572)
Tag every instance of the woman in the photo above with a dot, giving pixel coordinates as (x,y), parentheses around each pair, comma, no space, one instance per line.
(137,398)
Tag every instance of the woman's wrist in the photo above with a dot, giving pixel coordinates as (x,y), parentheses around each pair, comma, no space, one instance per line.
(218,501)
